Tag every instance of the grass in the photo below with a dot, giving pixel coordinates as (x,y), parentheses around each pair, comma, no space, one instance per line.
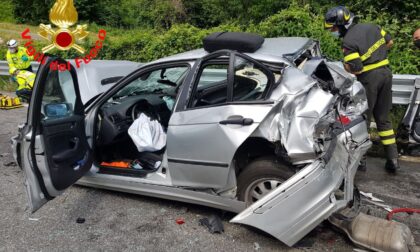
(6,11)
(6,85)
(13,31)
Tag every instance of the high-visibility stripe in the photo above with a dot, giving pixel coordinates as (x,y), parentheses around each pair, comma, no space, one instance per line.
(372,49)
(328,25)
(388,141)
(351,56)
(386,133)
(346,16)
(383,33)
(375,65)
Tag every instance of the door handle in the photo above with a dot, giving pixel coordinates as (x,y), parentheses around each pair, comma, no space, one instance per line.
(237,120)
(67,154)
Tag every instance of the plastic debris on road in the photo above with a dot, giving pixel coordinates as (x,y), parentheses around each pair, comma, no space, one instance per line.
(213,223)
(371,197)
(376,201)
(180,221)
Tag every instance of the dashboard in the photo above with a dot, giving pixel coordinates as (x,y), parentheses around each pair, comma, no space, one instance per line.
(116,117)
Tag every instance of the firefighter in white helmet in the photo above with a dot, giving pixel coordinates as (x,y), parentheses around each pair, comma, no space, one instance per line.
(17,57)
(20,69)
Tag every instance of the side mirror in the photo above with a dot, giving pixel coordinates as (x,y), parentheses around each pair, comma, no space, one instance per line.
(57,110)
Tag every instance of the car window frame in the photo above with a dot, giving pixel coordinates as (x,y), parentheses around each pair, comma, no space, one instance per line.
(104,97)
(198,77)
(231,56)
(149,73)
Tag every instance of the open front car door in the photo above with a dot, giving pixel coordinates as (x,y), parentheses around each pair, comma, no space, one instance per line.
(54,148)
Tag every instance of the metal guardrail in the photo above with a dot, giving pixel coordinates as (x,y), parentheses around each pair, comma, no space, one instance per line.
(402,87)
(402,84)
(4,67)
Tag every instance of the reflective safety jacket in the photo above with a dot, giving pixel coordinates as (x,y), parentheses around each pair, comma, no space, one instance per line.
(364,47)
(17,60)
(25,80)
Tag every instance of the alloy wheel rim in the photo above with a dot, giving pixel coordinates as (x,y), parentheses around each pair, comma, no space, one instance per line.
(260,188)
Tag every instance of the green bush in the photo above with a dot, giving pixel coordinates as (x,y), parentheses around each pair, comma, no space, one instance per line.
(148,45)
(298,21)
(6,11)
(158,28)
(31,12)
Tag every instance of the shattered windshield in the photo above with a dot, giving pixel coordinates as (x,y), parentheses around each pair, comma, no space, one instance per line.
(161,81)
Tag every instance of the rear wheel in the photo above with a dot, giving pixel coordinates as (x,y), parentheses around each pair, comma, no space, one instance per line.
(261,177)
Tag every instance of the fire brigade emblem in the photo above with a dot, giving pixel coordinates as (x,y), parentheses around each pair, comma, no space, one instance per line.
(63,14)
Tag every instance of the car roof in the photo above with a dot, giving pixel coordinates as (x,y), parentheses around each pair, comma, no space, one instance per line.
(272,50)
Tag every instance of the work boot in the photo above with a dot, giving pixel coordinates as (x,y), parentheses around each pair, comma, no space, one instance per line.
(392,165)
(362,164)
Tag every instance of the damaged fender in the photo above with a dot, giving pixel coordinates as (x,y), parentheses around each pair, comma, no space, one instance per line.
(311,195)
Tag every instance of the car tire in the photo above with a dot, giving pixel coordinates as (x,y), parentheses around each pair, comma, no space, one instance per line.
(260,177)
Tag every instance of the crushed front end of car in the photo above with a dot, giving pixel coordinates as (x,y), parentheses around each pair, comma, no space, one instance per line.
(318,126)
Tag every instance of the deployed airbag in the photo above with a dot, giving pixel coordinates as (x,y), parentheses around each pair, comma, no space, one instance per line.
(146,134)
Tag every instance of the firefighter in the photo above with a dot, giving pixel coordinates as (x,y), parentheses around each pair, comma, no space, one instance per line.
(365,48)
(25,80)
(17,57)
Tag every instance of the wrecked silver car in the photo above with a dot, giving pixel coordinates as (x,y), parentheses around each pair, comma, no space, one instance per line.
(270,130)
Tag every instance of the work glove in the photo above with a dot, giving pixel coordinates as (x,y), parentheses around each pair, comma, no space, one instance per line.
(25,58)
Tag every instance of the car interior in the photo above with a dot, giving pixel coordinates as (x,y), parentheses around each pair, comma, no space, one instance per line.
(153,94)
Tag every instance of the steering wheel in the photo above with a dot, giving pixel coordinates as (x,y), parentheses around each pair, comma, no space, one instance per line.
(144,107)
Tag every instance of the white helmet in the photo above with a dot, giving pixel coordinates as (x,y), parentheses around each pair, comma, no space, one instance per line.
(12,43)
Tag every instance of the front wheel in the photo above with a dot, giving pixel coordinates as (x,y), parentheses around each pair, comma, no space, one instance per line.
(261,177)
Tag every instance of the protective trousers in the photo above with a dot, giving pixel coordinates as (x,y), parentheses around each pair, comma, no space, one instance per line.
(25,94)
(378,85)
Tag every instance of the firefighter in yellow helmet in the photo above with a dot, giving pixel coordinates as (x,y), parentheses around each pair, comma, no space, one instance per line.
(365,48)
(17,57)
(25,80)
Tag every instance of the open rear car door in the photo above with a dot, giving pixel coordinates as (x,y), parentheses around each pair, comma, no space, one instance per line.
(54,148)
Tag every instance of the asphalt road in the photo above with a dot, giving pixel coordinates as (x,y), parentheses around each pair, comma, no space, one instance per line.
(124,222)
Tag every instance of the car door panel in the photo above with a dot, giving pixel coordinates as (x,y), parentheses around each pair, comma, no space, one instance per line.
(34,189)
(203,139)
(55,152)
(201,148)
(65,149)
